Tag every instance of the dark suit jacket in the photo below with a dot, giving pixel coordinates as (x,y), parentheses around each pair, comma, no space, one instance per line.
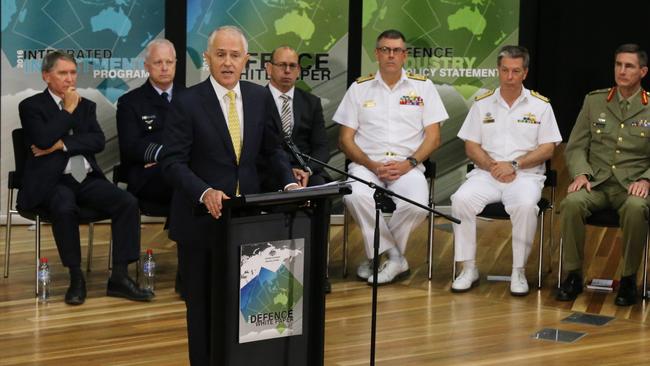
(44,123)
(308,134)
(199,154)
(140,122)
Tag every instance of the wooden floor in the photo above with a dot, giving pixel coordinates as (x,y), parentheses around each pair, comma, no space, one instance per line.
(419,322)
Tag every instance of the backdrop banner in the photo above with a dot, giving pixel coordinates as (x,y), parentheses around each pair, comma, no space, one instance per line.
(455,44)
(106,37)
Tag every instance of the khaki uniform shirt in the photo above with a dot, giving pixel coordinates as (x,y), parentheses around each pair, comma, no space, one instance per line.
(608,140)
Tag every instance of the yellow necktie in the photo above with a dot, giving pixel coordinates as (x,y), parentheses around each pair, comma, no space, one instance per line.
(233,124)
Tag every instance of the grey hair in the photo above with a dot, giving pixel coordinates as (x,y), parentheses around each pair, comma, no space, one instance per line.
(158,42)
(52,57)
(229,28)
(514,52)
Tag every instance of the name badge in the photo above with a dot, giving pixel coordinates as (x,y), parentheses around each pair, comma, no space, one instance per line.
(369,104)
(149,119)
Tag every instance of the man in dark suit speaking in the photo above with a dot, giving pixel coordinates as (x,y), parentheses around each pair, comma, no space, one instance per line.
(62,174)
(300,117)
(214,134)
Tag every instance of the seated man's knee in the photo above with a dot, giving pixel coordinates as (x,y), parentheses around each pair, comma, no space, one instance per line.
(635,206)
(572,204)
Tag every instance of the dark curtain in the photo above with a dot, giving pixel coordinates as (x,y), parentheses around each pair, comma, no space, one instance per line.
(572,46)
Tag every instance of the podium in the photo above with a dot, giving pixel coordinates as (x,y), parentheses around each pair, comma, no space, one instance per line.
(272,240)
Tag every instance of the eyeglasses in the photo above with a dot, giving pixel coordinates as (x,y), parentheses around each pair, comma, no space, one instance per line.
(284,65)
(158,64)
(387,50)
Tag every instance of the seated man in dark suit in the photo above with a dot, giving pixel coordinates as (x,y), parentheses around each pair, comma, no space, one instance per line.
(62,174)
(300,117)
(140,122)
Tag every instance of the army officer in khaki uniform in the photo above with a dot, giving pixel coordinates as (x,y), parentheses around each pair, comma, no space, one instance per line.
(608,156)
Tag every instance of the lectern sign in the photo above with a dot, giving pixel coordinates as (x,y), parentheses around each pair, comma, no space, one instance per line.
(271,289)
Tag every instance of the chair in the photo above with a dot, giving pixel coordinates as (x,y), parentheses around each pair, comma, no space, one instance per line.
(430,174)
(497,211)
(87,215)
(608,218)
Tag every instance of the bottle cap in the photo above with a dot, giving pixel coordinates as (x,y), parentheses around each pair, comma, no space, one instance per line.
(149,251)
(43,260)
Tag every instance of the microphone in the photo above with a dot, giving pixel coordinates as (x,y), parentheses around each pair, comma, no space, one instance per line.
(296,154)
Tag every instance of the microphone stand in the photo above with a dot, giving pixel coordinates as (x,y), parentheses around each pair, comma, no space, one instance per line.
(379,196)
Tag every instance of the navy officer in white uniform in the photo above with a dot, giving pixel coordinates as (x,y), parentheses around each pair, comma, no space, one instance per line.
(389,125)
(509,133)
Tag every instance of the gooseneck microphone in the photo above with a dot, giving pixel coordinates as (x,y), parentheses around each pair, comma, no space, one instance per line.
(296,154)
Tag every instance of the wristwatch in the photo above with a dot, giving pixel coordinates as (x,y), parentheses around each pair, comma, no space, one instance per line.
(413,161)
(515,165)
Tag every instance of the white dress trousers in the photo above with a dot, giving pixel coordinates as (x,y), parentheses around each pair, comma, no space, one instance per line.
(394,232)
(519,198)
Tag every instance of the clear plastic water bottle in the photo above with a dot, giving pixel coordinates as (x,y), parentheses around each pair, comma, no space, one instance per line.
(44,283)
(149,270)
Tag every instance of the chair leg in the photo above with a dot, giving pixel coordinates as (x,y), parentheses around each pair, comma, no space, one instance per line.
(645,266)
(559,265)
(430,245)
(91,237)
(540,260)
(110,253)
(37,251)
(346,228)
(10,195)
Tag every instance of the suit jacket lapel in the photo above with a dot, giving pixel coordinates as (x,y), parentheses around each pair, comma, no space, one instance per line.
(614,107)
(635,107)
(215,115)
(298,110)
(153,95)
(249,115)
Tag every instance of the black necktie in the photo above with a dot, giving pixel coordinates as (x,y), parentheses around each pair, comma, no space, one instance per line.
(165,96)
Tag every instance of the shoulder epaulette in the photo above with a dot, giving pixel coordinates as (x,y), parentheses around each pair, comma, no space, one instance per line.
(416,76)
(539,96)
(485,95)
(361,79)
(600,91)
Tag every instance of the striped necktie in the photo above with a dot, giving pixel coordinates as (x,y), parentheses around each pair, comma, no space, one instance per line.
(233,124)
(286,114)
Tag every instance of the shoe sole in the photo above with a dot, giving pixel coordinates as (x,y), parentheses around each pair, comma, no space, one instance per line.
(519,294)
(74,303)
(395,279)
(566,299)
(119,294)
(460,291)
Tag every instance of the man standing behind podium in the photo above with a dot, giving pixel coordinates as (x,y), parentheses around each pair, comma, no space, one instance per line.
(214,135)
(300,116)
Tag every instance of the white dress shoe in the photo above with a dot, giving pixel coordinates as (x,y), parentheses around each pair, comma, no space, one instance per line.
(391,270)
(467,279)
(365,269)
(518,283)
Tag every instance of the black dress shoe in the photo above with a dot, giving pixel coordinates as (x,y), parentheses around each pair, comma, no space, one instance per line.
(76,294)
(570,288)
(327,287)
(627,292)
(124,286)
(178,286)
